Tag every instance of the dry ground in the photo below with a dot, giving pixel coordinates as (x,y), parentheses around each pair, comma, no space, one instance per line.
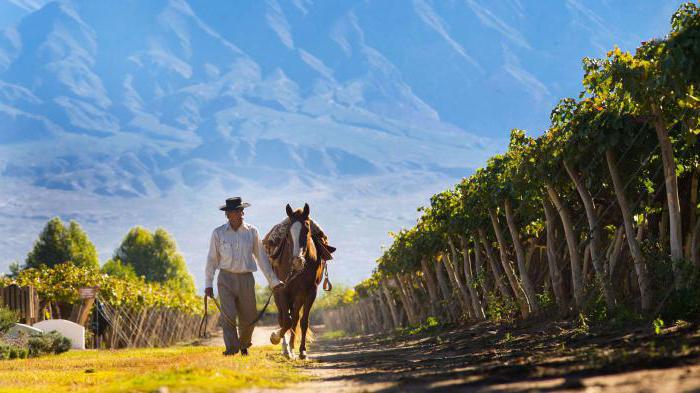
(551,356)
(546,357)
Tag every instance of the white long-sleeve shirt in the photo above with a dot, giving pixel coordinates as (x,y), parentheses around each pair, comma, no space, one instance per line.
(237,251)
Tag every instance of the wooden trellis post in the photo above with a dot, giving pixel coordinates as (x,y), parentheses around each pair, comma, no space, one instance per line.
(23,300)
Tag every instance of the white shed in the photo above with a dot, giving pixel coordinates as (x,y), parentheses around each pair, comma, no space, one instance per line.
(74,332)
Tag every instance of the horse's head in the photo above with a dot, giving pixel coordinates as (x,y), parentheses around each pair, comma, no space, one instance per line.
(300,229)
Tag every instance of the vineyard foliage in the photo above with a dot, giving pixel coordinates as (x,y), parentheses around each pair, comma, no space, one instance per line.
(597,214)
(61,282)
(146,271)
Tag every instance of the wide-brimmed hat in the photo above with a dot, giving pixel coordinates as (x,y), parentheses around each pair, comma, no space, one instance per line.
(235,203)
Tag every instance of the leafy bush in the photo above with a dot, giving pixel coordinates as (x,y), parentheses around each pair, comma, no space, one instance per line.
(677,301)
(37,344)
(683,302)
(658,325)
(499,309)
(46,343)
(12,352)
(431,323)
(7,319)
(545,299)
(19,353)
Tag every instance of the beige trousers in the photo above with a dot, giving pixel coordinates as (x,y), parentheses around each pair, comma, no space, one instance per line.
(237,294)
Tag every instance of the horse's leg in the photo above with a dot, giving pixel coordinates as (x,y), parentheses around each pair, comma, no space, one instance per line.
(286,327)
(285,321)
(305,322)
(296,310)
(285,347)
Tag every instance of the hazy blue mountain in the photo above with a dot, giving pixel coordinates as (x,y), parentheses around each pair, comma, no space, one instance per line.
(152,112)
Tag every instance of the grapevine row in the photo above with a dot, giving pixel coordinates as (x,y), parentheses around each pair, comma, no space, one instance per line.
(596,215)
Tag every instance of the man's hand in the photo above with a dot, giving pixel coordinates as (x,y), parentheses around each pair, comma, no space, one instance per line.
(278,287)
(209,291)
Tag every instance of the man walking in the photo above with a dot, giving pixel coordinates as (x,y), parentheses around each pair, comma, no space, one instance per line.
(234,249)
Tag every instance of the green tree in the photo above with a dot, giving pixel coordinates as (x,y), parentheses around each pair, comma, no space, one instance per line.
(154,256)
(115,267)
(58,243)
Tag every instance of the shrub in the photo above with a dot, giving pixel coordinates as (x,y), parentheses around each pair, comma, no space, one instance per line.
(4,352)
(677,301)
(38,345)
(430,324)
(7,319)
(545,299)
(46,343)
(8,351)
(18,353)
(60,343)
(499,309)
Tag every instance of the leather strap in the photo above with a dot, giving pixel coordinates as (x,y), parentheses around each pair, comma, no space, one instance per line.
(204,323)
(327,286)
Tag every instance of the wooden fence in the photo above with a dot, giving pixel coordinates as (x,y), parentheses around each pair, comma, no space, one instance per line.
(23,300)
(150,327)
(125,327)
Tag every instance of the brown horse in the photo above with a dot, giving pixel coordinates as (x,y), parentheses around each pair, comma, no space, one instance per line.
(302,258)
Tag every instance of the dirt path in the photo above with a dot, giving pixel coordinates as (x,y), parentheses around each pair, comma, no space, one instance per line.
(261,336)
(488,358)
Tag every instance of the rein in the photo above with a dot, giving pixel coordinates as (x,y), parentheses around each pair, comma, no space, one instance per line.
(327,286)
(205,318)
(290,276)
(204,322)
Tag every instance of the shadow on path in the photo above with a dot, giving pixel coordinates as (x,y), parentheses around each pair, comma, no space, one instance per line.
(536,357)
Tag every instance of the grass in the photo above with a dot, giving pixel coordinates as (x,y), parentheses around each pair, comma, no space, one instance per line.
(430,324)
(333,334)
(190,369)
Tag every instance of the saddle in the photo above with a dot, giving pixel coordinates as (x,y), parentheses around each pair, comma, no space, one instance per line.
(278,244)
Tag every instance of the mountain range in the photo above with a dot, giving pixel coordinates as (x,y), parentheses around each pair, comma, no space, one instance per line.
(120,113)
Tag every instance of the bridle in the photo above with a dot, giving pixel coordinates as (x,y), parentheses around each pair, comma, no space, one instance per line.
(303,240)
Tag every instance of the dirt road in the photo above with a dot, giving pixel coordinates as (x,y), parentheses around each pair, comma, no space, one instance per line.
(261,336)
(488,358)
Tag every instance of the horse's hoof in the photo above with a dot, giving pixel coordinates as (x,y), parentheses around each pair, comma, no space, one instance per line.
(292,356)
(275,338)
(302,355)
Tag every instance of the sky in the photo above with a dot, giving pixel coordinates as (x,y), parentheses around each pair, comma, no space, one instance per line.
(117,114)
